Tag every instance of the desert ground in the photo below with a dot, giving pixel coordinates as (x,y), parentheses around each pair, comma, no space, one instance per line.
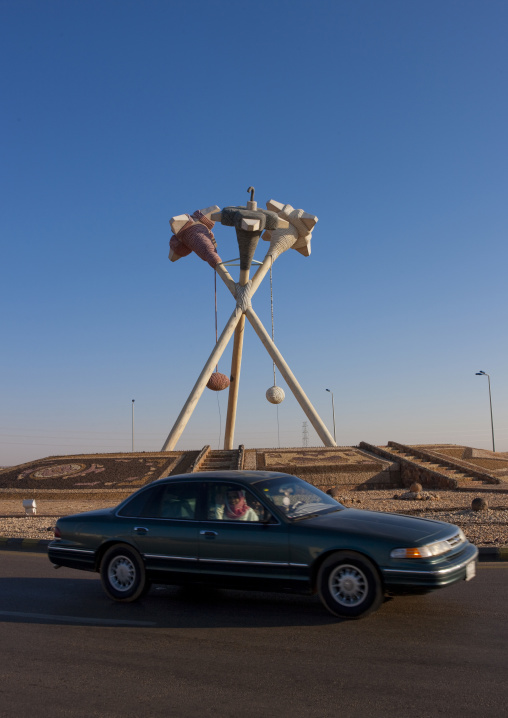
(484,528)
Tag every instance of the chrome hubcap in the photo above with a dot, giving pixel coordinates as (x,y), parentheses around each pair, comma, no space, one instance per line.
(348,585)
(121,573)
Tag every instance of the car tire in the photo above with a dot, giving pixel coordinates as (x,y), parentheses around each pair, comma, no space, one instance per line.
(123,574)
(349,585)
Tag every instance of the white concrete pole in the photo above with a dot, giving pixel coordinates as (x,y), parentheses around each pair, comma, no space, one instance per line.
(199,386)
(290,379)
(236,366)
(277,357)
(261,273)
(226,278)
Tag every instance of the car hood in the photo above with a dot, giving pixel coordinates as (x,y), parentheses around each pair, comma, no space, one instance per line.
(383,525)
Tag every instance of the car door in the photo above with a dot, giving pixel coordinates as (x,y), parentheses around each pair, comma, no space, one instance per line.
(164,529)
(250,548)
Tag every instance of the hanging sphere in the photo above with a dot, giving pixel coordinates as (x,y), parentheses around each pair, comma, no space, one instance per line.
(218,381)
(275,395)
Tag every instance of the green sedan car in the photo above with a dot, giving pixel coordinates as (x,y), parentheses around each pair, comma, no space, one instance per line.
(264,531)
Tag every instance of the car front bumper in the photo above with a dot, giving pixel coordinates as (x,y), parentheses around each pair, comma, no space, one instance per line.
(428,574)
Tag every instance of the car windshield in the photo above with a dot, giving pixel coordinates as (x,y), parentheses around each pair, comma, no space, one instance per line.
(296,498)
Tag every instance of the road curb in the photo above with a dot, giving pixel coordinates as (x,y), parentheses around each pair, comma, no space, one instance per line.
(485,553)
(23,544)
(493,553)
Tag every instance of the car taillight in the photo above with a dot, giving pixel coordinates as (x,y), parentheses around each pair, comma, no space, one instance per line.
(57,533)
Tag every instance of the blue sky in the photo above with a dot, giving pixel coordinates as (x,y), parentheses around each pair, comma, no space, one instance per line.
(387,120)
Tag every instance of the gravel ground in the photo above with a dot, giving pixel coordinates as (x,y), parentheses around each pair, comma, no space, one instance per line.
(483,528)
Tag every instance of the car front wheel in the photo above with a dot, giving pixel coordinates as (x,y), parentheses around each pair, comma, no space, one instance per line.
(123,574)
(349,585)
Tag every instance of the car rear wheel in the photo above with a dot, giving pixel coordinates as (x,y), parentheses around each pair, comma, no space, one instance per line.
(349,585)
(123,574)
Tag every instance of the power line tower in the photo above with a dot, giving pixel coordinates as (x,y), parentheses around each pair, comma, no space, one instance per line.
(305,434)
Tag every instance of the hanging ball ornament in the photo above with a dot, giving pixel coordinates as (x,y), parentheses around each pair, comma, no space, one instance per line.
(275,395)
(218,381)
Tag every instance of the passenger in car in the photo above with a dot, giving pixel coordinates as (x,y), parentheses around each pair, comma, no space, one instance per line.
(235,508)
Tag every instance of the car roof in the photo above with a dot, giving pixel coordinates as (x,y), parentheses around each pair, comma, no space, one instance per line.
(248,477)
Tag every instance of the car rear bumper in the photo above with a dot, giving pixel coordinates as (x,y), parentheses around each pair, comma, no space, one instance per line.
(79,558)
(432,575)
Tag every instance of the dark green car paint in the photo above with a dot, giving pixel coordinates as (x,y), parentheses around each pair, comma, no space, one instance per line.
(279,553)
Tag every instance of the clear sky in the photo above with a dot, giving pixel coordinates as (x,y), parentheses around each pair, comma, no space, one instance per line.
(388,120)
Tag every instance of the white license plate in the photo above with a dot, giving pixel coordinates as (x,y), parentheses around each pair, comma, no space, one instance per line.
(470,570)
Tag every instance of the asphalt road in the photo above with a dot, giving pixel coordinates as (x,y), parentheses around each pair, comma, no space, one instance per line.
(66,650)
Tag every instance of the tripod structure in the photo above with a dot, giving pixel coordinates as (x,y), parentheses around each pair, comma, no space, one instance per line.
(285,228)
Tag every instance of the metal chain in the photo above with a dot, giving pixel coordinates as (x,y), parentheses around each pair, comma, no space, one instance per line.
(216,335)
(271,303)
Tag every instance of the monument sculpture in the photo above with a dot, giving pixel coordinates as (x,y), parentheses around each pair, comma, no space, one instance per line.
(284,228)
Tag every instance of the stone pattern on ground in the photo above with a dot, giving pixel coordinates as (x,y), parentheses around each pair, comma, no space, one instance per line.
(72,484)
(89,472)
(350,468)
(324,467)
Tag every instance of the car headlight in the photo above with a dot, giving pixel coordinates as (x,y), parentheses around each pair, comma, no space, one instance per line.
(432,549)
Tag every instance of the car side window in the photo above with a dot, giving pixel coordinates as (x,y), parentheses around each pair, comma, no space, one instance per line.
(166,501)
(178,501)
(141,502)
(230,502)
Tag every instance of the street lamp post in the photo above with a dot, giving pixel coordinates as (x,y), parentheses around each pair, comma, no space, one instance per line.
(333,413)
(484,373)
(133,425)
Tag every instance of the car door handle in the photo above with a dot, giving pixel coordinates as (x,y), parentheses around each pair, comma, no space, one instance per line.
(141,530)
(208,534)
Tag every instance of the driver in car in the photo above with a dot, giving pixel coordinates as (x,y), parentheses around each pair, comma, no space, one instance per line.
(235,508)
